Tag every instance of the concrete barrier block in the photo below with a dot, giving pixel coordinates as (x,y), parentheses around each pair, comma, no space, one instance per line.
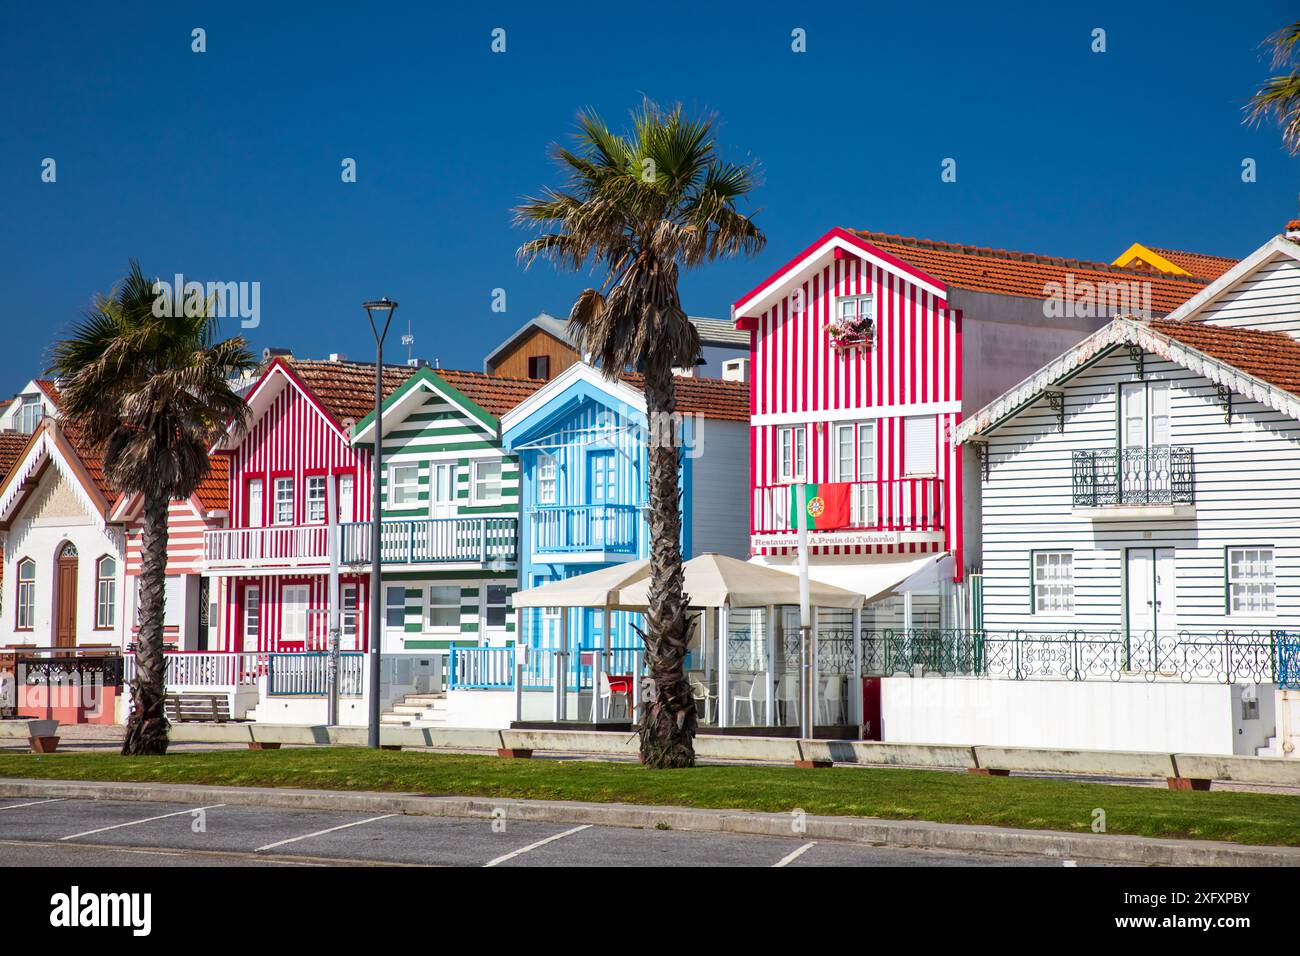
(211,733)
(311,736)
(601,743)
(1117,763)
(872,753)
(717,747)
(1277,771)
(349,736)
(454,738)
(403,737)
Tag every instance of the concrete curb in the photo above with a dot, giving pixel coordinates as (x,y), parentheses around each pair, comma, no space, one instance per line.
(1091,847)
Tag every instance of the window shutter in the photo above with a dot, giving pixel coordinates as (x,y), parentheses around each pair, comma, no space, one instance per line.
(920,438)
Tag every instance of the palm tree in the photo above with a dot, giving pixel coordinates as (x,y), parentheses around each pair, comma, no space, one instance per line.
(151,393)
(1279,97)
(640,207)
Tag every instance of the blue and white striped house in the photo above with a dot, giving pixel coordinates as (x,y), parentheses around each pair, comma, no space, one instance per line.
(581,445)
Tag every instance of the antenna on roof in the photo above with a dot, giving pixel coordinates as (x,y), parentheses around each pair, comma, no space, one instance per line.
(409,341)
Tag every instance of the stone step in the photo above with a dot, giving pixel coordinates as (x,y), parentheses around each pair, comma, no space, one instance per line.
(405,708)
(426,699)
(400,720)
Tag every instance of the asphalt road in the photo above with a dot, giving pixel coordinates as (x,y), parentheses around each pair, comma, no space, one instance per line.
(65,832)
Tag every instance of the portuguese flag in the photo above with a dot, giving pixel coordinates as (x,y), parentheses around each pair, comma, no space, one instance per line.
(828,506)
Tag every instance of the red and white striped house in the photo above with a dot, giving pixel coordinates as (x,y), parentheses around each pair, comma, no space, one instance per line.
(866,350)
(192,600)
(274,555)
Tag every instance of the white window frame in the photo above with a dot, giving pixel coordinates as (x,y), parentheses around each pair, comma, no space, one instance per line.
(1251,587)
(403,492)
(25,611)
(252,612)
(105,594)
(30,413)
(506,605)
(548,479)
(349,617)
(476,496)
(1053,589)
(910,470)
(389,606)
(285,499)
(430,606)
(843,312)
(791,454)
(316,511)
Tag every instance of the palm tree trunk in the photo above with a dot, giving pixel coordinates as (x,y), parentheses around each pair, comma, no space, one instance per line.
(668,721)
(146,730)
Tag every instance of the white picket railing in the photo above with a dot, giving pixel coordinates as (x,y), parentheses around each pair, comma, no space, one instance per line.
(211,669)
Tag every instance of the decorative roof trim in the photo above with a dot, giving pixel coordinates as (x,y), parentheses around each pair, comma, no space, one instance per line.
(1124,331)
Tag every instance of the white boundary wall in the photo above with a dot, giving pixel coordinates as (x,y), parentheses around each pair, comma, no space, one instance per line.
(1092,715)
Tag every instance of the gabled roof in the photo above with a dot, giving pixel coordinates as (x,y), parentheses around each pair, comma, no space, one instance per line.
(708,397)
(1174,262)
(712,332)
(949,265)
(1262,366)
(212,495)
(60,447)
(342,391)
(484,398)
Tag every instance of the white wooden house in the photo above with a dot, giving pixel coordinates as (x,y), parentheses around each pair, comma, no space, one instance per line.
(1141,516)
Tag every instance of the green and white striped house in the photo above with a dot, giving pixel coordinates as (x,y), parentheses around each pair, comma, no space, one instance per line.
(450,510)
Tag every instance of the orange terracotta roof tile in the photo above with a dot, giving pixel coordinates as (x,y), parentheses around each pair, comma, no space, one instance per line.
(709,397)
(1273,357)
(495,394)
(1199,264)
(12,446)
(214,490)
(1028,274)
(347,389)
(49,387)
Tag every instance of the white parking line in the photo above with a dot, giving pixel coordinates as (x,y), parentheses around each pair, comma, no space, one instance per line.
(34,803)
(131,823)
(533,846)
(308,836)
(791,857)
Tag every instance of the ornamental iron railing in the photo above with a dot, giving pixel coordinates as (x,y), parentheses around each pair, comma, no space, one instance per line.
(1221,656)
(1288,659)
(1159,475)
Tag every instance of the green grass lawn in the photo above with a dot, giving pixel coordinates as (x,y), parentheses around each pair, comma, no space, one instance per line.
(1256,818)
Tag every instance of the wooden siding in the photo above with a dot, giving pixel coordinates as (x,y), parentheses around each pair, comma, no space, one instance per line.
(185,529)
(913,369)
(1268,300)
(514,363)
(1247,476)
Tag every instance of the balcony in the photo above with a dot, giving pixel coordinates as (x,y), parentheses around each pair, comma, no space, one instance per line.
(886,512)
(590,530)
(434,541)
(411,542)
(1133,482)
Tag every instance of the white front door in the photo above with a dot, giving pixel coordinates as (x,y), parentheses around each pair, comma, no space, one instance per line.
(294,600)
(442,492)
(1149,590)
(255,503)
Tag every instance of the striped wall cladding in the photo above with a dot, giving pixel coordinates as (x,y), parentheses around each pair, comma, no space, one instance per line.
(437,431)
(294,438)
(913,368)
(1246,493)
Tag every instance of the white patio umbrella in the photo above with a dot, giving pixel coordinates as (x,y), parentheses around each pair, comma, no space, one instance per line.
(715,580)
(598,589)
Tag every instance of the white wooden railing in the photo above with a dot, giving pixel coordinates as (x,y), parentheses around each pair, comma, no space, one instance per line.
(287,545)
(214,669)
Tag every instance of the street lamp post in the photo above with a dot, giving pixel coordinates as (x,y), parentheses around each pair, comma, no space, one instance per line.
(384,308)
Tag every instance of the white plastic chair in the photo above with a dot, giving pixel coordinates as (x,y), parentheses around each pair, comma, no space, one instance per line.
(787,696)
(702,693)
(608,695)
(831,704)
(754,697)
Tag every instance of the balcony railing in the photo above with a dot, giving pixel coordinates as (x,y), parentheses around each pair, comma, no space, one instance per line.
(434,541)
(897,504)
(565,529)
(422,541)
(1159,475)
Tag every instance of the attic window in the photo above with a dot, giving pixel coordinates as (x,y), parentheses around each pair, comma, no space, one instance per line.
(539,366)
(30,413)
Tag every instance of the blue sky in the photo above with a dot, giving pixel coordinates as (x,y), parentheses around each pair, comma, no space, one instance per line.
(226,165)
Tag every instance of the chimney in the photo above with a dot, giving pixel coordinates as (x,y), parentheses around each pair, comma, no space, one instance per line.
(338,357)
(1293,229)
(269,353)
(735,370)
